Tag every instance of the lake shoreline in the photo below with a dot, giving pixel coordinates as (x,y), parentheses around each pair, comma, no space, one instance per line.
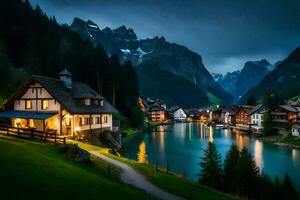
(278,140)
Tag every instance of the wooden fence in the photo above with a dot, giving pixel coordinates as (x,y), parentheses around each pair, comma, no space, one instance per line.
(30,133)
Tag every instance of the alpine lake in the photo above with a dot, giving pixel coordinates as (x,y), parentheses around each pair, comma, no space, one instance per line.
(180,146)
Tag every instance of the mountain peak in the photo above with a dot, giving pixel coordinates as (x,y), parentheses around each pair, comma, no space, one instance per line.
(264,62)
(124,30)
(78,21)
(125,33)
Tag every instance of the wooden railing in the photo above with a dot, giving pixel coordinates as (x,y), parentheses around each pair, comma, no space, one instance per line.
(31,133)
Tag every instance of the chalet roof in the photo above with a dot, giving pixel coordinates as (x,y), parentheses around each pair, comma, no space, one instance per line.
(248,109)
(233,110)
(173,109)
(296,126)
(256,108)
(68,97)
(156,107)
(289,108)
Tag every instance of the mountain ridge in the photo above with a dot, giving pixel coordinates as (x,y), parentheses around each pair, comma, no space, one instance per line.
(237,83)
(282,81)
(171,57)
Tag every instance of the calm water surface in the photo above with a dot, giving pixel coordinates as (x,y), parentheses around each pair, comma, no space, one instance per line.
(181,146)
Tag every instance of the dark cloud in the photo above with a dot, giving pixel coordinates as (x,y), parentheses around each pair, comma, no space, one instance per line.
(226,33)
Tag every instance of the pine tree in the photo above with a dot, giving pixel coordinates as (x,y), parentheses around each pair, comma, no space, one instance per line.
(248,174)
(211,170)
(267,123)
(288,189)
(142,153)
(231,169)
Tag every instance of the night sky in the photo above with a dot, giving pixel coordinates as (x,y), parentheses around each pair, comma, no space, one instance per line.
(225,33)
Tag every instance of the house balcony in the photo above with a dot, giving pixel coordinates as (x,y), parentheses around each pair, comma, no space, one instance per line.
(280,120)
(278,113)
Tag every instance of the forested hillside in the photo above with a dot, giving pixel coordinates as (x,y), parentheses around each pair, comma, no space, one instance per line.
(156,82)
(33,43)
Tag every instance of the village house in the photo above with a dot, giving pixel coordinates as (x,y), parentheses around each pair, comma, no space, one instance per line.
(296,129)
(155,109)
(156,113)
(225,115)
(192,114)
(243,117)
(229,115)
(284,116)
(204,115)
(60,105)
(216,115)
(257,118)
(177,113)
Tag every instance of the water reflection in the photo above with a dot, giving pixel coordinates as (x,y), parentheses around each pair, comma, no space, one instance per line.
(226,133)
(295,157)
(258,151)
(182,146)
(211,134)
(159,136)
(142,153)
(241,140)
(202,131)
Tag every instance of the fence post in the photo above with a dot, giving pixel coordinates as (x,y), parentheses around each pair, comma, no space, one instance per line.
(64,140)
(31,133)
(55,138)
(7,131)
(18,132)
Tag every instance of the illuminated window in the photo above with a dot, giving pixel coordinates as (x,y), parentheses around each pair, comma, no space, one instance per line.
(31,123)
(45,104)
(28,104)
(87,102)
(105,119)
(85,121)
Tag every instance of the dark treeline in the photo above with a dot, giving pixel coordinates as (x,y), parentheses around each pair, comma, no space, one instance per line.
(240,176)
(33,43)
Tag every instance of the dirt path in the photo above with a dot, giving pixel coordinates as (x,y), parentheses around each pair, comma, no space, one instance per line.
(132,177)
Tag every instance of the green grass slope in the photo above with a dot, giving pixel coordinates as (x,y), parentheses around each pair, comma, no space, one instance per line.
(169,182)
(31,170)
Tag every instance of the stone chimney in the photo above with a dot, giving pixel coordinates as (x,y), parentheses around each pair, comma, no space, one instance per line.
(66,77)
